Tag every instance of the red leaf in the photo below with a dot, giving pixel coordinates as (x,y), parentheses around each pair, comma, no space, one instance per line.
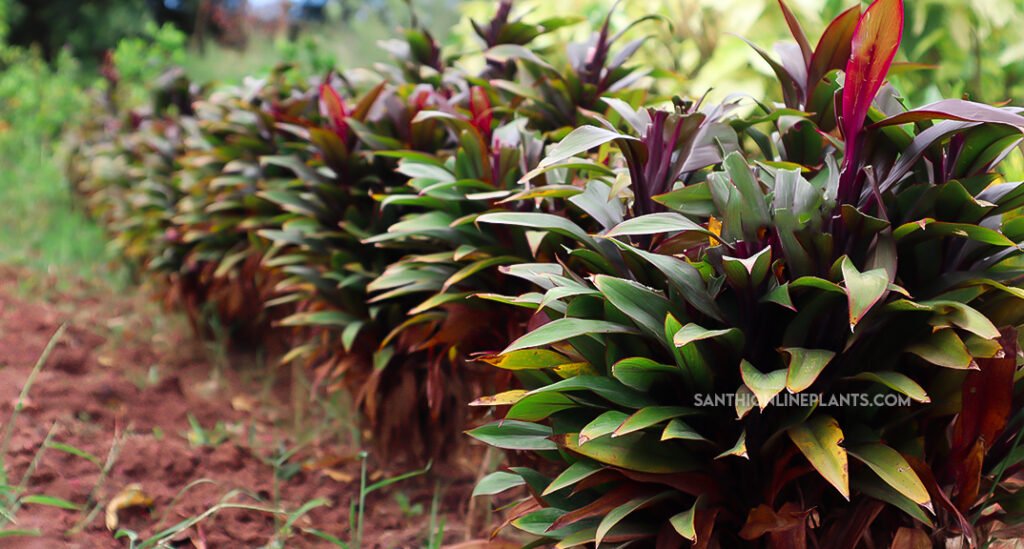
(788,520)
(987,402)
(797,31)
(480,110)
(956,109)
(599,507)
(333,107)
(939,497)
(874,45)
(833,47)
(968,476)
(987,396)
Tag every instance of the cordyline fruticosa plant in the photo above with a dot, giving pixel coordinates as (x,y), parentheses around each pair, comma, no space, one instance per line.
(350,216)
(445,256)
(851,250)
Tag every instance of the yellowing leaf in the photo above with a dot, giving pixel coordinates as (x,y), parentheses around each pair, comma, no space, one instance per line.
(243,403)
(573,369)
(819,441)
(338,476)
(506,398)
(715,227)
(894,470)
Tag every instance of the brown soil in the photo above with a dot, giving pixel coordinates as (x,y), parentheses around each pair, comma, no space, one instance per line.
(121,385)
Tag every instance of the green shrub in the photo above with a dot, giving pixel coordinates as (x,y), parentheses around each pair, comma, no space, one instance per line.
(641,261)
(852,249)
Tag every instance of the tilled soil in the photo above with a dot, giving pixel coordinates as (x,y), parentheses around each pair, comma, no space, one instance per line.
(128,390)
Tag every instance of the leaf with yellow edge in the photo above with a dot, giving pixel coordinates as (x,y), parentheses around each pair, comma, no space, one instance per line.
(745,401)
(764,386)
(684,523)
(819,440)
(863,290)
(894,470)
(944,348)
(129,496)
(804,366)
(739,449)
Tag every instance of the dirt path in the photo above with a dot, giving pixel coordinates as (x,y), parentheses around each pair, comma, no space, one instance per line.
(135,394)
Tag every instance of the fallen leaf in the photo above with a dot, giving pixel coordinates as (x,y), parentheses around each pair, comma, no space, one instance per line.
(129,496)
(327,461)
(911,538)
(339,476)
(243,403)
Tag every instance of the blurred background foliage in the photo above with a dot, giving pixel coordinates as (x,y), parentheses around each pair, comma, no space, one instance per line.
(51,51)
(970,48)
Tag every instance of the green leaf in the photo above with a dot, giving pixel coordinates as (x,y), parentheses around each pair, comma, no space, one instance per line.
(679,430)
(692,200)
(641,304)
(602,425)
(692,332)
(764,386)
(944,348)
(894,470)
(514,435)
(616,515)
(51,501)
(535,407)
(566,328)
(506,52)
(747,272)
(658,223)
(496,483)
(68,449)
(319,318)
(553,223)
(819,440)
(573,474)
(581,140)
(683,523)
(21,533)
(755,208)
(739,449)
(804,366)
(477,266)
(897,382)
(684,277)
(633,452)
(651,415)
(605,387)
(965,317)
(641,373)
(863,290)
(931,227)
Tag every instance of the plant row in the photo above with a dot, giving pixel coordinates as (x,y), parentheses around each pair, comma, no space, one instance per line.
(780,324)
